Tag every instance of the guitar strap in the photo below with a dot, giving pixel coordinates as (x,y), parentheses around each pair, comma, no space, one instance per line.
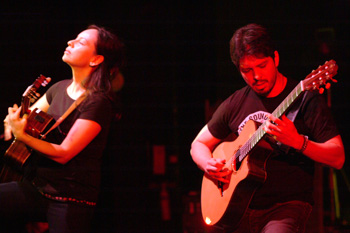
(291,115)
(293,112)
(73,106)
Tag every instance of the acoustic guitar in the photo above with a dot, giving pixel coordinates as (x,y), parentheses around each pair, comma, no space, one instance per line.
(225,204)
(18,153)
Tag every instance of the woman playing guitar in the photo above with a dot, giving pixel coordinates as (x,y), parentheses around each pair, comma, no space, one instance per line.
(64,186)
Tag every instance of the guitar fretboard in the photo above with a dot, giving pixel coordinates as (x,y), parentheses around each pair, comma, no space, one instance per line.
(260,132)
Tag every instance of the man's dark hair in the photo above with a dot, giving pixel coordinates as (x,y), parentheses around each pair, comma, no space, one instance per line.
(252,39)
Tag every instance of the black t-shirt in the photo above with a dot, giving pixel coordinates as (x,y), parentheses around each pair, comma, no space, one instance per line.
(80,177)
(289,175)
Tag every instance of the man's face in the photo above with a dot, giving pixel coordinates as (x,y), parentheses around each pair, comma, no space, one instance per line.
(259,73)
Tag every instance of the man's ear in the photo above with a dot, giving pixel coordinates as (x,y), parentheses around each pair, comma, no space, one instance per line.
(277,59)
(98,59)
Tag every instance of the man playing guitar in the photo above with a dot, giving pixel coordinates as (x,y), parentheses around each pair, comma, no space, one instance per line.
(284,200)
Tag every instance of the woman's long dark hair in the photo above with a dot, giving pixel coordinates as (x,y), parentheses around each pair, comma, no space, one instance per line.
(112,49)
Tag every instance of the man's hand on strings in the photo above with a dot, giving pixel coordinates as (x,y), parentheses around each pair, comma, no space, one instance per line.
(284,131)
(217,170)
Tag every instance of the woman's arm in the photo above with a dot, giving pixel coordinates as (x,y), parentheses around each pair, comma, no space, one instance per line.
(78,137)
(41,104)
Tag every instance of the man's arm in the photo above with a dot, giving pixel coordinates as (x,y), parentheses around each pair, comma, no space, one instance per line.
(330,153)
(201,152)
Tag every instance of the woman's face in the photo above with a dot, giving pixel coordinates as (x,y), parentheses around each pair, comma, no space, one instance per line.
(81,51)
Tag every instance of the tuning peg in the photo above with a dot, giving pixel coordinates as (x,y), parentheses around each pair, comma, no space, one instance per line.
(46,81)
(328,85)
(321,90)
(334,80)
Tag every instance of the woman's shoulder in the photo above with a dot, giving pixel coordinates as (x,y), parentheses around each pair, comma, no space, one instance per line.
(57,88)
(98,100)
(64,82)
(60,84)
(99,97)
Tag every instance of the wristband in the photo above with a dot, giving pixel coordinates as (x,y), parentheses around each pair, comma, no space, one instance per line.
(306,140)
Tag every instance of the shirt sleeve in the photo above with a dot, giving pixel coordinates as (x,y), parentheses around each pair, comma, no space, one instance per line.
(218,124)
(51,92)
(319,119)
(97,108)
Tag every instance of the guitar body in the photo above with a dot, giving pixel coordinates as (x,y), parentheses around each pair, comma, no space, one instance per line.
(18,153)
(225,205)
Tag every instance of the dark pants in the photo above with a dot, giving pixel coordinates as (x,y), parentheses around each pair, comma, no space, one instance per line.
(289,217)
(20,203)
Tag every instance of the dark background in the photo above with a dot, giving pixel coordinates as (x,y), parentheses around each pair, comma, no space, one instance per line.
(178,63)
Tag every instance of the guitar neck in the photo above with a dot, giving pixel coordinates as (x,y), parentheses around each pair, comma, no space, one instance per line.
(25,105)
(260,132)
(30,95)
(282,108)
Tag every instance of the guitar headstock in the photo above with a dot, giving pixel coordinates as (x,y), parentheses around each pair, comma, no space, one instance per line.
(31,95)
(321,77)
(31,91)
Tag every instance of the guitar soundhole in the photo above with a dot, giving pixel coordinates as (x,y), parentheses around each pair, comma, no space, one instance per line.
(39,118)
(236,164)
